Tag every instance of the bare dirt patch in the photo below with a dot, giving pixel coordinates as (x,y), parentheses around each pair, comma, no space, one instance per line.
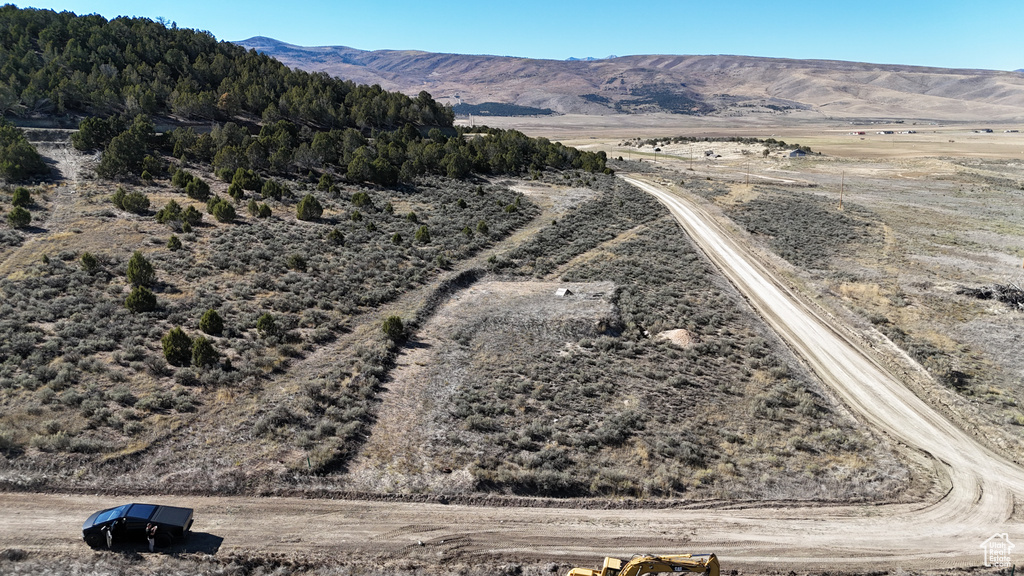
(413,423)
(679,337)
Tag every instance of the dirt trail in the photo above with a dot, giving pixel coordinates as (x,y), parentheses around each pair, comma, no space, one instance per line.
(974,498)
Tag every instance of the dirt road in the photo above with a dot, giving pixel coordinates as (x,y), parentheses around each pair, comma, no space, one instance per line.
(975,496)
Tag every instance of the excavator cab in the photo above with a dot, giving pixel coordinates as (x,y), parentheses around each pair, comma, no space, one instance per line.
(705,564)
(611,567)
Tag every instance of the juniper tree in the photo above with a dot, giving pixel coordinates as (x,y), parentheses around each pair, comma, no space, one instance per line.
(18,217)
(141,299)
(203,352)
(393,328)
(309,208)
(211,323)
(140,272)
(21,198)
(177,347)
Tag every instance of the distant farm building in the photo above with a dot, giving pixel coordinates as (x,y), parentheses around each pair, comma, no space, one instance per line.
(797,153)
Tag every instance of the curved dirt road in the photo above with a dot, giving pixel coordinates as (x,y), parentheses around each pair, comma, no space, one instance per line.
(974,499)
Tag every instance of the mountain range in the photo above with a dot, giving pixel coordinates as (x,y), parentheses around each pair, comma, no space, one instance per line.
(705,85)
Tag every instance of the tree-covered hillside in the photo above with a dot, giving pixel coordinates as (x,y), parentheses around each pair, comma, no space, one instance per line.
(270,119)
(59,63)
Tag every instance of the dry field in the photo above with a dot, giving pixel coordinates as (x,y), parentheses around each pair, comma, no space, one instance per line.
(938,210)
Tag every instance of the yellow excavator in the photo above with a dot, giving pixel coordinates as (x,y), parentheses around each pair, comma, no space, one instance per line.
(647,564)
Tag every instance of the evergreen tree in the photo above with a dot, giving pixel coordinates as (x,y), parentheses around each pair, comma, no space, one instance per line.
(211,323)
(423,235)
(177,347)
(197,189)
(140,272)
(223,211)
(21,198)
(141,299)
(308,208)
(18,158)
(393,328)
(203,352)
(266,325)
(89,262)
(18,217)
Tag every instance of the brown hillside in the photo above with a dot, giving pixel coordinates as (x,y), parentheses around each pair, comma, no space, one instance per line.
(719,85)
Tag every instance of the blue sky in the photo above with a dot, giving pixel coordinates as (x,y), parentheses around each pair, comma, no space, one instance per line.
(960,34)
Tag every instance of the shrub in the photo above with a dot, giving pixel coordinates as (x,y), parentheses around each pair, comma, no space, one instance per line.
(18,158)
(174,243)
(177,347)
(253,207)
(141,299)
(211,323)
(140,272)
(266,326)
(309,208)
(263,211)
(361,200)
(21,197)
(203,353)
(181,178)
(423,235)
(171,212)
(198,189)
(236,191)
(247,179)
(89,262)
(273,189)
(297,262)
(191,217)
(325,184)
(412,217)
(18,217)
(393,328)
(482,228)
(336,236)
(135,202)
(223,211)
(396,239)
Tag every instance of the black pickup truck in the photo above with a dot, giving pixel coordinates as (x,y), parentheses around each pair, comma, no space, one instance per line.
(127,524)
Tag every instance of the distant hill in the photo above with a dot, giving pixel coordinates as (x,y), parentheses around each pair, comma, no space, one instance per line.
(719,85)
